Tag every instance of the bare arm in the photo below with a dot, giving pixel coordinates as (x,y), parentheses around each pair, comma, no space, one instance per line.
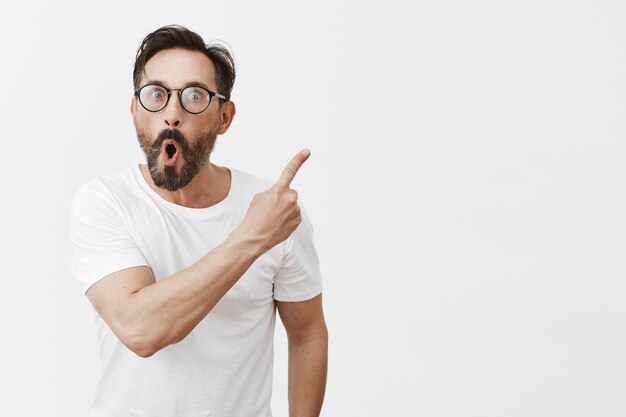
(148,316)
(308,355)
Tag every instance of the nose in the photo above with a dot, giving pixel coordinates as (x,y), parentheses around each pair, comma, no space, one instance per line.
(173,112)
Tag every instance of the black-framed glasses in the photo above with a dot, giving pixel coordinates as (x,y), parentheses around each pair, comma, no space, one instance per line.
(194,99)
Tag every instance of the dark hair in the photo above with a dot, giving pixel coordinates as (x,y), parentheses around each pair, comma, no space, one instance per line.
(176,36)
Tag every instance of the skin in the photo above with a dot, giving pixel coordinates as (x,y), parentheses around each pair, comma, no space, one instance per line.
(147,316)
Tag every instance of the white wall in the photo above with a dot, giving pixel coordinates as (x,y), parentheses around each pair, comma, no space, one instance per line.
(467,188)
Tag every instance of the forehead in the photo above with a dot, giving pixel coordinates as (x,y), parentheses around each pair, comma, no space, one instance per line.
(178,67)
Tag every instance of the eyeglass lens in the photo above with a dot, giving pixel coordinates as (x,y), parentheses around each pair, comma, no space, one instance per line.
(193,99)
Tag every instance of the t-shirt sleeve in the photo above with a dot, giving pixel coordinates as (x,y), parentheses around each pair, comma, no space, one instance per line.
(101,242)
(299,277)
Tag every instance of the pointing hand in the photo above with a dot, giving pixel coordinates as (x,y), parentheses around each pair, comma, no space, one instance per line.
(292,168)
(274,214)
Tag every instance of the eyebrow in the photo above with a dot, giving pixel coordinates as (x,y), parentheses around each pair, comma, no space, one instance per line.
(189,84)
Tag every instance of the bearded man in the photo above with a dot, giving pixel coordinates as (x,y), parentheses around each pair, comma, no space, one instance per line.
(186,262)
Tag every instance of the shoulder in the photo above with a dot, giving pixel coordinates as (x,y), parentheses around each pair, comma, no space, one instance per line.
(248,184)
(105,190)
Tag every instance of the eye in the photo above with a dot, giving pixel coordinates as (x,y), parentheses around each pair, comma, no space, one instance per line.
(194,94)
(157,95)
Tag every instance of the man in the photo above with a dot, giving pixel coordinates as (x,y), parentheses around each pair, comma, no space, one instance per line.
(186,262)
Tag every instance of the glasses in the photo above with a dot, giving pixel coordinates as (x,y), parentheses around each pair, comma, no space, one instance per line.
(194,99)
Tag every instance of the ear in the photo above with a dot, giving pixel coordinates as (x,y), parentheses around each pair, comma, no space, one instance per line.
(133,107)
(227,114)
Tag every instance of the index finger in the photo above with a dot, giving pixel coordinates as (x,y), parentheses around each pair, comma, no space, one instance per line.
(292,168)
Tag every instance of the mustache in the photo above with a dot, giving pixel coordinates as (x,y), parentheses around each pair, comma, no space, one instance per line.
(173,134)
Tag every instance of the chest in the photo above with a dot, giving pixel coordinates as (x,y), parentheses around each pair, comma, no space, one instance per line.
(171,243)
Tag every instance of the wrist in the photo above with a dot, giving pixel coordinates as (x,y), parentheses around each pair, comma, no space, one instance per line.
(246,243)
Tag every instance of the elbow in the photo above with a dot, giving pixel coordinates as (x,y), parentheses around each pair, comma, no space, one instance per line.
(145,339)
(142,350)
(145,347)
(140,342)
(141,347)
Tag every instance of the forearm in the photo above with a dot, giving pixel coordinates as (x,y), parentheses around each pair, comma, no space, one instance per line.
(308,362)
(167,311)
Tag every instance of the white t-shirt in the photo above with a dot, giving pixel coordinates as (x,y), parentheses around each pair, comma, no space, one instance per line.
(223,368)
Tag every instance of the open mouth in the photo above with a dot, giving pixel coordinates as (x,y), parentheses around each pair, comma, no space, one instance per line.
(170,153)
(170,149)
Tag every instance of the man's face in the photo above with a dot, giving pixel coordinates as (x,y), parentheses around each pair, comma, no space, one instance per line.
(177,143)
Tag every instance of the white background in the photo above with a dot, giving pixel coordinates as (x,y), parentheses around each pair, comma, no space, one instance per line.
(467,188)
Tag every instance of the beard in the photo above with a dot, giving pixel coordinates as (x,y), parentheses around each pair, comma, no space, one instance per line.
(195,156)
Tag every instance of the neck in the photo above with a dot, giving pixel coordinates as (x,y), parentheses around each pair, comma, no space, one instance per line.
(210,186)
